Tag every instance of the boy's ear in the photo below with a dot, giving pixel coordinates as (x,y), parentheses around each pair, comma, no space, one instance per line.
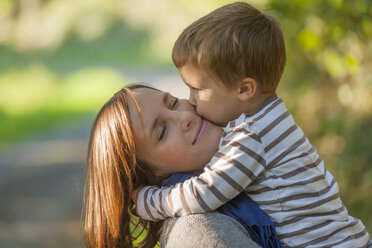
(247,89)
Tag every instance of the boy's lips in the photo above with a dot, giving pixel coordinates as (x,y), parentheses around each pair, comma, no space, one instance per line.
(200,130)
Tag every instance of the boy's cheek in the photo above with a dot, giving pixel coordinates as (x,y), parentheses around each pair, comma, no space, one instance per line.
(192,103)
(201,113)
(204,114)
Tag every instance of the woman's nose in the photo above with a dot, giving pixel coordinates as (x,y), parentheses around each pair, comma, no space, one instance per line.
(186,120)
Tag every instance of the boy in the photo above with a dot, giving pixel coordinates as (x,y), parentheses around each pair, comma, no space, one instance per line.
(232,60)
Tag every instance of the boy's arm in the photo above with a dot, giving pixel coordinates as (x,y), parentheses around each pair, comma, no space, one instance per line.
(236,164)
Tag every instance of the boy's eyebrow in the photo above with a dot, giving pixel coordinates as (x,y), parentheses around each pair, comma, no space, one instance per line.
(166,95)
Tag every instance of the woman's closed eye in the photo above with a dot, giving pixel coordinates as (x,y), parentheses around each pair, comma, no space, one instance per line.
(162,130)
(173,102)
(163,127)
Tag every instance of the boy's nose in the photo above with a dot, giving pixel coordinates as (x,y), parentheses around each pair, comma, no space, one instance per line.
(192,100)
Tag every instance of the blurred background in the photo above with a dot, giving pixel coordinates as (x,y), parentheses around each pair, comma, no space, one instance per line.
(60,60)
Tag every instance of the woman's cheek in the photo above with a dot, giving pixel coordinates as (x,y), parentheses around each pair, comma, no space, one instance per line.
(177,153)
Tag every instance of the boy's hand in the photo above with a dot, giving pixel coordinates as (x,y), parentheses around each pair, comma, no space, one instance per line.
(135,194)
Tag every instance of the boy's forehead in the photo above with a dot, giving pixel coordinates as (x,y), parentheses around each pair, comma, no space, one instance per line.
(191,74)
(197,77)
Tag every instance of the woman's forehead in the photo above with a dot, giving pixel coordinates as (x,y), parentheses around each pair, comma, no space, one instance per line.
(144,109)
(146,96)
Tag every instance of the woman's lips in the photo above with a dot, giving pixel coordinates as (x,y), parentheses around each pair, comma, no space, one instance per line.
(201,129)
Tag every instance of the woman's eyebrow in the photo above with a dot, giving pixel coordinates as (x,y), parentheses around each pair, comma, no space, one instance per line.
(165,98)
(166,95)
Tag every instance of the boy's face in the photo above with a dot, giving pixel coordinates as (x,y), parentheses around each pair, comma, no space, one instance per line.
(212,100)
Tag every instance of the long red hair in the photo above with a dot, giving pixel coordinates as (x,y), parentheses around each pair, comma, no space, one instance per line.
(112,173)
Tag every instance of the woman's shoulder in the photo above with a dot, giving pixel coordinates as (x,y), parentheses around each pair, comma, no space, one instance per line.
(205,230)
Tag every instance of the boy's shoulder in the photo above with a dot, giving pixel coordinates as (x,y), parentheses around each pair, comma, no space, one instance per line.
(270,107)
(243,125)
(270,110)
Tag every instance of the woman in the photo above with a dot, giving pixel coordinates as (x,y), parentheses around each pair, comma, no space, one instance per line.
(139,137)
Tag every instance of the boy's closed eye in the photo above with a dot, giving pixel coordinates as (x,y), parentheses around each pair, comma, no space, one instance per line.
(193,88)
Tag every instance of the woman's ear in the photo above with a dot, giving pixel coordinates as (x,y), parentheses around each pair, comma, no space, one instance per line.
(247,88)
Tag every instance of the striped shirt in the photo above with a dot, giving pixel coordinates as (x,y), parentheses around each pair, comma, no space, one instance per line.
(267,156)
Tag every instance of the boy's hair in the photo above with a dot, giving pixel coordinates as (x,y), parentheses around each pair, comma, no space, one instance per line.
(233,42)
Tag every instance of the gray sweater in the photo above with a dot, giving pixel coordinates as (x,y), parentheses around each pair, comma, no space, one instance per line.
(207,230)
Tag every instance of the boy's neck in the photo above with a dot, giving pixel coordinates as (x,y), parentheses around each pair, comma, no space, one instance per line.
(255,102)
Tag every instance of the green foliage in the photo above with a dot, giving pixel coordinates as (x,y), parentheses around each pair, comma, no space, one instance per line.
(34,98)
(328,86)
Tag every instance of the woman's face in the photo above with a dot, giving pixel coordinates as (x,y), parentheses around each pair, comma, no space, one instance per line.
(169,136)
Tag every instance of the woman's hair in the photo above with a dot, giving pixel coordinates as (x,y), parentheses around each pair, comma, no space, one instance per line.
(112,173)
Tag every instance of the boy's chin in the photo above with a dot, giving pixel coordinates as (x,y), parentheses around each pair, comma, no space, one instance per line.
(216,123)
(220,124)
